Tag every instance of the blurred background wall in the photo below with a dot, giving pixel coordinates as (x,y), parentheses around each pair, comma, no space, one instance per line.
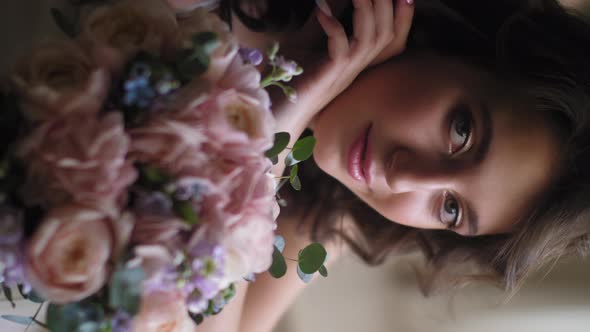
(356,298)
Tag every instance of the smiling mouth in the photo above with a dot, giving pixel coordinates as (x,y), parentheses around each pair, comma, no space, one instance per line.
(359,157)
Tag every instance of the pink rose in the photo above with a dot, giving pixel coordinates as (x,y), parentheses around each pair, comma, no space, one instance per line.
(67,259)
(163,311)
(81,159)
(60,78)
(130,26)
(183,6)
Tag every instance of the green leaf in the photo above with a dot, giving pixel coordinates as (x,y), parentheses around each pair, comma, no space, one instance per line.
(22,320)
(280,143)
(34,297)
(280,243)
(323,271)
(305,277)
(290,160)
(64,318)
(154,176)
(89,327)
(185,210)
(198,318)
(279,266)
(294,179)
(312,257)
(63,22)
(8,294)
(303,148)
(125,290)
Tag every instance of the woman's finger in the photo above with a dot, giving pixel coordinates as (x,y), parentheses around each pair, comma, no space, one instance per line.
(384,20)
(402,23)
(337,39)
(364,24)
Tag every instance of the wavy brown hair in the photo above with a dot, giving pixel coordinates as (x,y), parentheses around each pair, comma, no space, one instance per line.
(536,43)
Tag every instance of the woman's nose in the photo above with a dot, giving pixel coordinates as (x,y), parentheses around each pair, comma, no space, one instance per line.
(408,171)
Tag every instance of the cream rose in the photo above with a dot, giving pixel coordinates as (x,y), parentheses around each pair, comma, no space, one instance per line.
(163,311)
(131,26)
(67,259)
(60,78)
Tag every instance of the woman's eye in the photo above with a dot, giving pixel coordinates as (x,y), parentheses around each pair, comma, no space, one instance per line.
(450,212)
(461,131)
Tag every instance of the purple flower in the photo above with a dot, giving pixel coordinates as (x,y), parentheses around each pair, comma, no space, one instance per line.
(11,226)
(11,267)
(122,322)
(197,303)
(251,55)
(288,68)
(153,203)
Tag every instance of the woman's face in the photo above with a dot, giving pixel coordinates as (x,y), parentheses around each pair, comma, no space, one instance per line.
(432,143)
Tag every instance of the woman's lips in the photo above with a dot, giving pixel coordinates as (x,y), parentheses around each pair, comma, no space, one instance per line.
(359,160)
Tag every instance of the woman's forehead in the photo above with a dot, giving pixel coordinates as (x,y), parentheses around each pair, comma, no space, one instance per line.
(521,162)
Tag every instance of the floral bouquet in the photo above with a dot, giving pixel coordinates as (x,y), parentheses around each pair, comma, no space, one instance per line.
(135,184)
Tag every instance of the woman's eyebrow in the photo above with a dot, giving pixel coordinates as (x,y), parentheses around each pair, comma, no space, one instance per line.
(486,134)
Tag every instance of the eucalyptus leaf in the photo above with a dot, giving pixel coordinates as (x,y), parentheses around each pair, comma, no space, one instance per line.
(63,318)
(89,327)
(280,243)
(279,266)
(125,289)
(185,210)
(8,294)
(22,320)
(303,148)
(323,271)
(305,277)
(312,257)
(280,143)
(34,297)
(295,183)
(290,160)
(198,318)
(207,41)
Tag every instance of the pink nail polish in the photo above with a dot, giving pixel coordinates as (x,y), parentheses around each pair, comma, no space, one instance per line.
(410,2)
(324,7)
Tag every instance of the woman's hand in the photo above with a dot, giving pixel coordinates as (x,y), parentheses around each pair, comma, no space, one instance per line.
(380,32)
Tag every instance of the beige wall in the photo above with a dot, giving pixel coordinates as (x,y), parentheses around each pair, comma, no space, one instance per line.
(385,299)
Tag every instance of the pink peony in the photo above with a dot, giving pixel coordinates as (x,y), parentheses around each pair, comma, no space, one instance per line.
(163,311)
(79,159)
(67,259)
(158,230)
(130,26)
(202,21)
(162,142)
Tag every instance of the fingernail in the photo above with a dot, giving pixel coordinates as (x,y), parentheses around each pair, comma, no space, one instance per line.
(323,6)
(410,2)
